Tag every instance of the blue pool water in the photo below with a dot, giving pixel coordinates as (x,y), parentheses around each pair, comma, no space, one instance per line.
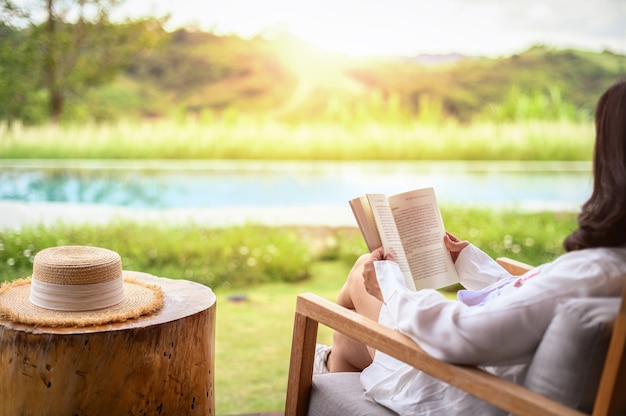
(219,184)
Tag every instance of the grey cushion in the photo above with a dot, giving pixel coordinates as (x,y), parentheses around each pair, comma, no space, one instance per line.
(341,394)
(569,360)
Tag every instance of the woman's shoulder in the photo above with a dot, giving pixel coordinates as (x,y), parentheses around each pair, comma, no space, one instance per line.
(601,260)
(612,254)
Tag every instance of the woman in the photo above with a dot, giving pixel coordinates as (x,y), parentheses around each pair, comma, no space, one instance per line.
(498,321)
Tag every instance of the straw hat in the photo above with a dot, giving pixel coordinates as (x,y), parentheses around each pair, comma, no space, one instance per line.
(77,286)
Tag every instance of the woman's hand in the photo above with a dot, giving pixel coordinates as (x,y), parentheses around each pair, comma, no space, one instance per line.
(454,245)
(369,273)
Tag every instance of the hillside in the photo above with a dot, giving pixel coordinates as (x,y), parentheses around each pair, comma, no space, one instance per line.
(199,73)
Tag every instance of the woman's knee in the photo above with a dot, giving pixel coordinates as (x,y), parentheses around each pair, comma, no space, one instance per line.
(356,274)
(361,260)
(353,283)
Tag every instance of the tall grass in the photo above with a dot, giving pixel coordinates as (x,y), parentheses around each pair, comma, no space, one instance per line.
(534,105)
(243,138)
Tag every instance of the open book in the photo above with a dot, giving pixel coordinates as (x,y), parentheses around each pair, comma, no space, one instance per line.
(410,227)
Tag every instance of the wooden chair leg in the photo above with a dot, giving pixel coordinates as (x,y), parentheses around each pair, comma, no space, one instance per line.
(301,365)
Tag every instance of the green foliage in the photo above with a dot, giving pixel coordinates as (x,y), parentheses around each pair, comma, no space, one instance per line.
(119,100)
(75,49)
(204,72)
(236,257)
(20,97)
(104,50)
(232,257)
(98,71)
(259,77)
(232,136)
(518,107)
(381,108)
(468,88)
(533,238)
(579,77)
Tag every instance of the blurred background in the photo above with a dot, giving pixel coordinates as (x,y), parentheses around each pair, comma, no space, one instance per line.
(303,62)
(300,81)
(220,141)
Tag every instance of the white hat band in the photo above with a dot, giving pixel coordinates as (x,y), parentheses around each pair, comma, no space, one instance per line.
(76,297)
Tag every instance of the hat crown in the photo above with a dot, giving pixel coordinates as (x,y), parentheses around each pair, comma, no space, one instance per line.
(78,286)
(77,278)
(76,265)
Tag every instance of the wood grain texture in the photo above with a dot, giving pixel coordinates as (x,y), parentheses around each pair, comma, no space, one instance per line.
(158,364)
(610,399)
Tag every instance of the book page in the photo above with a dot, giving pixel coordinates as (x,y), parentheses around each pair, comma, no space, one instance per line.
(389,235)
(365,220)
(421,230)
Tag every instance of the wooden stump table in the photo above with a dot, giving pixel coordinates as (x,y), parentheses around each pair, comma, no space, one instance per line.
(160,364)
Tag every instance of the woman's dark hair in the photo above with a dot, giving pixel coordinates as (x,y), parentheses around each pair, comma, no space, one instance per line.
(602,220)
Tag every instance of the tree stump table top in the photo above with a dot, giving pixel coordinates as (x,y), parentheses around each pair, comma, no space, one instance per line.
(182,298)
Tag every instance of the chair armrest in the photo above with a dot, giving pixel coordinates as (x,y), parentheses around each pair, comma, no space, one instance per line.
(312,309)
(513,266)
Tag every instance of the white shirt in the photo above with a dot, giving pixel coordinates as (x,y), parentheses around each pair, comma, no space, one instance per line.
(497,323)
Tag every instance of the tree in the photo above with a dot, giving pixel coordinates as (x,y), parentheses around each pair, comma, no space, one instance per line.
(19,97)
(79,46)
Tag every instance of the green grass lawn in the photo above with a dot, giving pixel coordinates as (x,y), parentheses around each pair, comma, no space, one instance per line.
(253,340)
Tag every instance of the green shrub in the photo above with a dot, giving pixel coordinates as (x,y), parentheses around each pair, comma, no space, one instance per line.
(530,237)
(241,256)
(217,257)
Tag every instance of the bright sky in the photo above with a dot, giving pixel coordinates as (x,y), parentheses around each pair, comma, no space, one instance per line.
(409,27)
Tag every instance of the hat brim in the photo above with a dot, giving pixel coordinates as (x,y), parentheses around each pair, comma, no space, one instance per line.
(140,299)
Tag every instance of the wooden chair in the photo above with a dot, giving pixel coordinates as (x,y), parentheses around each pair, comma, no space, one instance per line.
(513,398)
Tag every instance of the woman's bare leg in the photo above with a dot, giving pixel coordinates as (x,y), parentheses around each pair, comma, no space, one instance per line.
(346,353)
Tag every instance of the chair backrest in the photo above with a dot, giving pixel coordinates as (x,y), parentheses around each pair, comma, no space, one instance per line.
(611,399)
